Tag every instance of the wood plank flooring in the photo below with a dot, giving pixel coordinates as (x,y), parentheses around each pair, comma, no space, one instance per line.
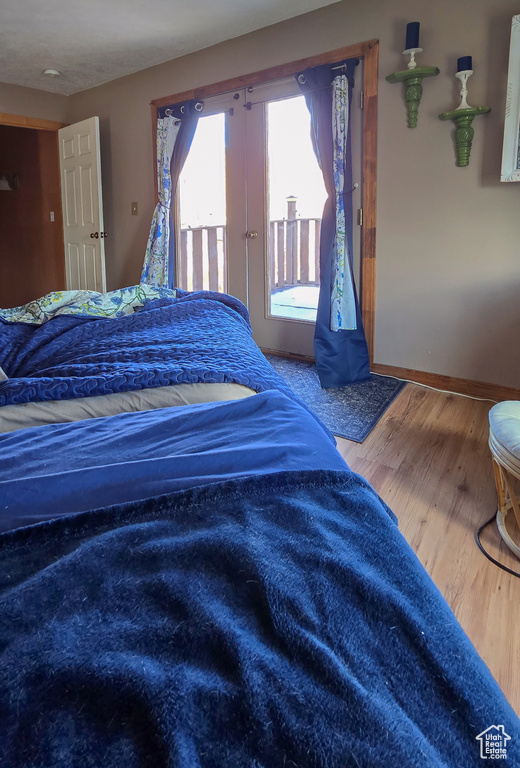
(428,459)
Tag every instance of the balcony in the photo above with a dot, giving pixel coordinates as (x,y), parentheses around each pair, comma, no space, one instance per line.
(294,246)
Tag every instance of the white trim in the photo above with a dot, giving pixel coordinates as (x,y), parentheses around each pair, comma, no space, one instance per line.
(511,147)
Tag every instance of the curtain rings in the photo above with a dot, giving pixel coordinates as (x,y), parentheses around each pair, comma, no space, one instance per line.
(198,107)
(302,79)
(168,113)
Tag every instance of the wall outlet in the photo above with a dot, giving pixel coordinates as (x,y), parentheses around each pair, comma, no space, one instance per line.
(134,209)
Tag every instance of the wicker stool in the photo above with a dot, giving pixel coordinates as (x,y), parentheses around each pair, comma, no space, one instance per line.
(504,442)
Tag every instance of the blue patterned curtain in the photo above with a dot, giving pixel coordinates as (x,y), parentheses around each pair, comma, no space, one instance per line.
(339,340)
(175,130)
(156,260)
(342,299)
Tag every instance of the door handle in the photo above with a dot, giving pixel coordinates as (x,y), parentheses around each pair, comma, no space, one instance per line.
(103,234)
(251,235)
(94,234)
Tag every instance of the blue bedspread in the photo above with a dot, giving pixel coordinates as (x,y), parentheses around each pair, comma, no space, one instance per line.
(260,622)
(57,469)
(201,336)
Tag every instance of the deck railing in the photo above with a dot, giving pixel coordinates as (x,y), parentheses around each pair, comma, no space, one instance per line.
(202,262)
(294,247)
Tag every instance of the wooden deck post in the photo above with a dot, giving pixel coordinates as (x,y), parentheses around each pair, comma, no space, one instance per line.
(291,251)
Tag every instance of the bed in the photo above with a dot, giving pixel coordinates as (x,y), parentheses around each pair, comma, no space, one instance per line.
(70,356)
(209,584)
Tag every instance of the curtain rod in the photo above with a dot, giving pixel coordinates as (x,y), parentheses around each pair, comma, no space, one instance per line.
(285,79)
(256,86)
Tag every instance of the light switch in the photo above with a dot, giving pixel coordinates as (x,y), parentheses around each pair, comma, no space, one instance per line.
(134,209)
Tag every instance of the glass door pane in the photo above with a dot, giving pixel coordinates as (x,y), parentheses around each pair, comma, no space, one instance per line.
(201,257)
(296,195)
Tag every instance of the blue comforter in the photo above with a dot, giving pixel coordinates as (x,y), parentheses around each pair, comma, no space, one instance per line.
(58,469)
(265,621)
(261,618)
(200,336)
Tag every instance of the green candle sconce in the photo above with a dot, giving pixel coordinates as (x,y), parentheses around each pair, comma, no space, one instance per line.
(464,115)
(413,76)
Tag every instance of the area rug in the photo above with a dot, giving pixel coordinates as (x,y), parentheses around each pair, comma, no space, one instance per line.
(351,412)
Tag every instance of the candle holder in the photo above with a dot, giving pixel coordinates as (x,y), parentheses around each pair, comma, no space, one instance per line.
(412,64)
(463,77)
(463,117)
(412,79)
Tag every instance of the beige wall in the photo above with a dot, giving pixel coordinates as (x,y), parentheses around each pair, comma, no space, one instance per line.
(448,261)
(15,100)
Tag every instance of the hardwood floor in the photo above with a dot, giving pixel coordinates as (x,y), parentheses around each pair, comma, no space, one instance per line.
(428,459)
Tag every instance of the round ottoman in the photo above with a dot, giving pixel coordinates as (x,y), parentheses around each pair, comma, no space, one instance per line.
(504,442)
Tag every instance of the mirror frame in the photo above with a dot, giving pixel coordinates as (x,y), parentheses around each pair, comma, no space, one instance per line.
(511,147)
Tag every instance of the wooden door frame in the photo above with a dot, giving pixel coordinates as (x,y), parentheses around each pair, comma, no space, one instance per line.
(20,121)
(369,52)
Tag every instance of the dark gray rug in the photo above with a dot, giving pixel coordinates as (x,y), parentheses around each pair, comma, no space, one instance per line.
(351,412)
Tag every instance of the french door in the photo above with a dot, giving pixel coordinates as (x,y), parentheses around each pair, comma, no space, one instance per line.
(251,196)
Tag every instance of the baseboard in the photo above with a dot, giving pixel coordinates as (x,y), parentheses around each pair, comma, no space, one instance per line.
(481,389)
(290,355)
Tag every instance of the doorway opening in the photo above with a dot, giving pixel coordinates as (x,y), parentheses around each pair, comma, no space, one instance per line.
(31,235)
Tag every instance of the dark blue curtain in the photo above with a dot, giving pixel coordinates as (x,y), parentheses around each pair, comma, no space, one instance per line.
(341,356)
(188,113)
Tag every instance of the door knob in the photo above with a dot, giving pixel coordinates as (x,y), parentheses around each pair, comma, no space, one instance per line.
(251,235)
(94,234)
(103,234)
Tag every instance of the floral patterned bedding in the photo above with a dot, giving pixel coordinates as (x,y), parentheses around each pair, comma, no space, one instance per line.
(87,303)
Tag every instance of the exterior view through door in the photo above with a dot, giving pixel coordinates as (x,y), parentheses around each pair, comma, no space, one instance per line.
(296,195)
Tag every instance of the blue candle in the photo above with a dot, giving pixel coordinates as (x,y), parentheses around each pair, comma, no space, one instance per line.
(464,63)
(412,35)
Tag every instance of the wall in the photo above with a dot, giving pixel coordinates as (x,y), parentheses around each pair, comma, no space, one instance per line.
(16,100)
(31,246)
(448,263)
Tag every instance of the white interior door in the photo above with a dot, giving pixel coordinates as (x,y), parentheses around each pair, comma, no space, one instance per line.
(82,203)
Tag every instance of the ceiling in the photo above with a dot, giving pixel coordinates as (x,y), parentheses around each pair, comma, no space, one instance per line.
(95,41)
